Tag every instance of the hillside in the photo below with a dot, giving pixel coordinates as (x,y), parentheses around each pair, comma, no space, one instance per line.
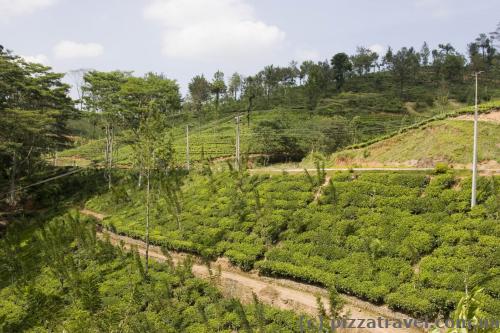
(447,141)
(286,133)
(408,233)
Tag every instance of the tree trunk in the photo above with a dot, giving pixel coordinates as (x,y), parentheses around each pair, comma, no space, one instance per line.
(13,171)
(110,165)
(108,152)
(147,218)
(217,102)
(250,102)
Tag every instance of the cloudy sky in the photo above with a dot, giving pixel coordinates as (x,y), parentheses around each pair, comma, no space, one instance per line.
(186,37)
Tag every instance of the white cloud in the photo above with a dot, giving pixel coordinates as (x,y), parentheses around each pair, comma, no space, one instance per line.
(437,8)
(39,59)
(68,50)
(379,49)
(10,8)
(208,30)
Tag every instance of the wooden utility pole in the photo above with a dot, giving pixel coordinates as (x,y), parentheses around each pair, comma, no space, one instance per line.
(237,161)
(187,147)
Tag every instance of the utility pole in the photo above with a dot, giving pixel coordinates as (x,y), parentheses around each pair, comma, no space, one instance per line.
(187,147)
(237,162)
(474,150)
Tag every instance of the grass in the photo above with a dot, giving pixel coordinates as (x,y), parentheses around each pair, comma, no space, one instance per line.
(445,140)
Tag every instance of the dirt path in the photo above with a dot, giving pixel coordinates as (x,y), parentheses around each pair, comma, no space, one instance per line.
(493,117)
(282,293)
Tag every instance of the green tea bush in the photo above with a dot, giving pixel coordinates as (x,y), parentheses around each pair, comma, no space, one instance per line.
(408,240)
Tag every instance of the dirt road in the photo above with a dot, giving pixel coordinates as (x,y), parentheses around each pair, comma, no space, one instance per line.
(282,293)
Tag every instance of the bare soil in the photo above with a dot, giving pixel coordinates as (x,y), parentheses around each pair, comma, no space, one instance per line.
(489,117)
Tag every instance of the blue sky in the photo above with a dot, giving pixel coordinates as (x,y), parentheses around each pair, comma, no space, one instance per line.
(186,37)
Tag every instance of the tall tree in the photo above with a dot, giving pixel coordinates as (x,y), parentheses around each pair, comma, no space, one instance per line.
(148,102)
(495,37)
(34,107)
(305,68)
(341,66)
(317,83)
(270,80)
(252,88)
(403,66)
(199,89)
(101,96)
(448,64)
(235,85)
(218,87)
(364,60)
(425,54)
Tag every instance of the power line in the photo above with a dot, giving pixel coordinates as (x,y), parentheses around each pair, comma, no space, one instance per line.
(42,182)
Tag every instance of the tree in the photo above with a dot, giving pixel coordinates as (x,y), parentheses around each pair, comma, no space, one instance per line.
(305,68)
(403,66)
(148,101)
(34,108)
(469,313)
(78,82)
(101,96)
(425,54)
(448,64)
(495,37)
(235,84)
(481,53)
(252,88)
(294,69)
(363,60)
(341,66)
(218,87)
(270,80)
(199,89)
(317,83)
(275,137)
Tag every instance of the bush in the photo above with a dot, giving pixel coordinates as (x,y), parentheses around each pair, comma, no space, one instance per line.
(440,168)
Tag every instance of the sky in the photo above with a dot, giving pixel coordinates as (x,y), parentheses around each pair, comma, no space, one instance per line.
(183,38)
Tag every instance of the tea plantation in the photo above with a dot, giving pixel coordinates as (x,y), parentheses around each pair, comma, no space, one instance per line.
(408,240)
(60,278)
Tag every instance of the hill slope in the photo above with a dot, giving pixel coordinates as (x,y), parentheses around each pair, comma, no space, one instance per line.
(447,140)
(310,130)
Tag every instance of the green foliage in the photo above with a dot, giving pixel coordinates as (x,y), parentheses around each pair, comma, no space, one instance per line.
(441,168)
(105,290)
(34,108)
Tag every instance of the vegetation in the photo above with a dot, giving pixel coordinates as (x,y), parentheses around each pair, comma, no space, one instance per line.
(34,108)
(60,277)
(324,106)
(408,240)
(448,141)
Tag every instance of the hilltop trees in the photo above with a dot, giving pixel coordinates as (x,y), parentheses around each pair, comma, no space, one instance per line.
(199,90)
(341,66)
(364,60)
(34,107)
(218,87)
(403,66)
(235,85)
